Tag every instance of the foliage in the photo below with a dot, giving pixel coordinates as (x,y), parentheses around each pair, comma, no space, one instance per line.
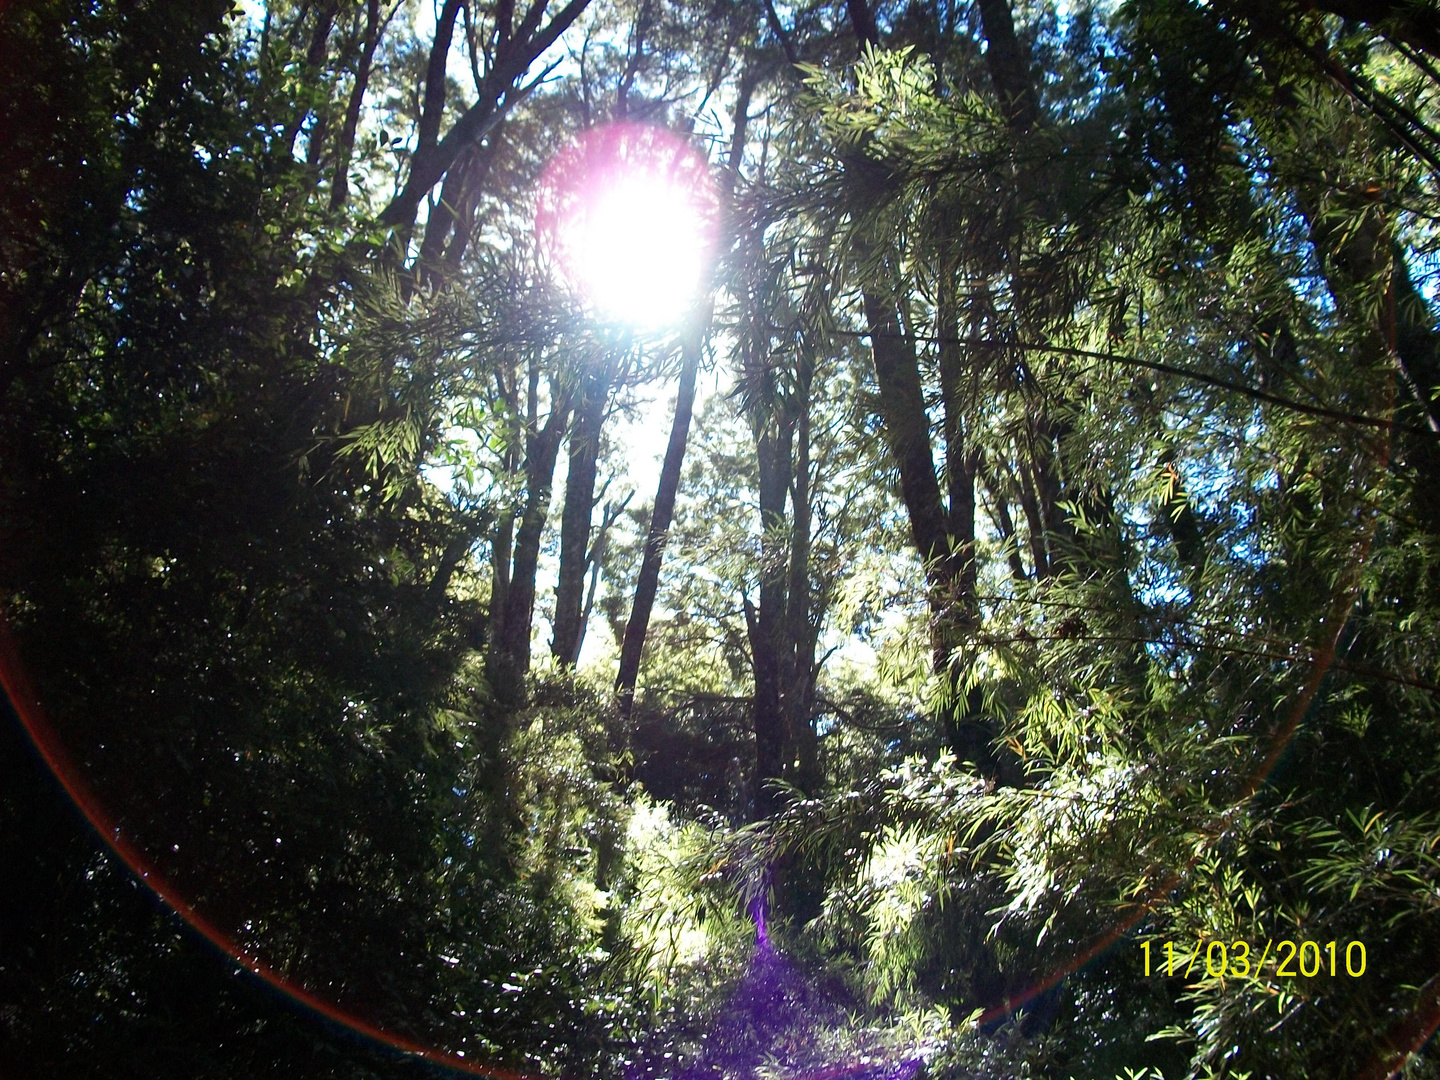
(1052,576)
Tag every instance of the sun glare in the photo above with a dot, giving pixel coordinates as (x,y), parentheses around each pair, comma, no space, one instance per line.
(627,214)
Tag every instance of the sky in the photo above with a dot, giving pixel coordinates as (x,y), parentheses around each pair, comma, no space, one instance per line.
(641,436)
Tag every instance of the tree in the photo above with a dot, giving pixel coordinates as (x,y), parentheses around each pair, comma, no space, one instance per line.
(1051,576)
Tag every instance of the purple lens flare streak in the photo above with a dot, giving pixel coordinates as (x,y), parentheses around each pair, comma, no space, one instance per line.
(775,1018)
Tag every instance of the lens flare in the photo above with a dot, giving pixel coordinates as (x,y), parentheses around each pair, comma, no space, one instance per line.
(626,213)
(16,686)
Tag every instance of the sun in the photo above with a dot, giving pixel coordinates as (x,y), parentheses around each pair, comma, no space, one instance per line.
(627,215)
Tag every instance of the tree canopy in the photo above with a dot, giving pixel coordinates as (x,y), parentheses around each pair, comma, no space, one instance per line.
(986,623)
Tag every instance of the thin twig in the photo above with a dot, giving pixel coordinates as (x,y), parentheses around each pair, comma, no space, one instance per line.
(1155,365)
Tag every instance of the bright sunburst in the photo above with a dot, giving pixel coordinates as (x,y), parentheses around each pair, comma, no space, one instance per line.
(628,213)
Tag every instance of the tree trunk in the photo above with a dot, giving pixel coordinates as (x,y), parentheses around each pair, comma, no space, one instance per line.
(462,223)
(1358,262)
(597,562)
(509,659)
(958,614)
(502,538)
(945,540)
(1008,64)
(801,631)
(907,429)
(579,505)
(766,624)
(433,103)
(961,459)
(648,582)
(454,213)
(638,625)
(314,60)
(502,545)
(345,149)
(1000,508)
(513,57)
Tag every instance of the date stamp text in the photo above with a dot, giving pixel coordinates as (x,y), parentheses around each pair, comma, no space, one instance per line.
(1240,960)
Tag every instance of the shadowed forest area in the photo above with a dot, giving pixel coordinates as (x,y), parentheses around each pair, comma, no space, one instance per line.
(972,612)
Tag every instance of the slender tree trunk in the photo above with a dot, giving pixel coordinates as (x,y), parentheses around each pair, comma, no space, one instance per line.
(451,213)
(433,102)
(345,149)
(514,54)
(588,610)
(907,429)
(907,434)
(597,555)
(1046,437)
(766,624)
(961,459)
(502,544)
(801,631)
(462,225)
(767,719)
(579,506)
(1000,507)
(944,539)
(432,109)
(648,581)
(502,538)
(968,732)
(1034,524)
(633,645)
(314,60)
(509,659)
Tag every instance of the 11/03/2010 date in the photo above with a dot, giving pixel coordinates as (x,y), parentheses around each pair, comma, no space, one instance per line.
(1235,959)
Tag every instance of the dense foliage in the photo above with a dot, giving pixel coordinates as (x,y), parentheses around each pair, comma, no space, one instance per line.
(1042,578)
